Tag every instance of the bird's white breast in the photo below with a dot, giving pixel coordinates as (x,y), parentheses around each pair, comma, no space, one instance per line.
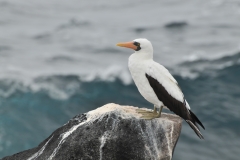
(138,69)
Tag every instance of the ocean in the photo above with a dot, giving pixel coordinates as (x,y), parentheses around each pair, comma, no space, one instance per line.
(59,59)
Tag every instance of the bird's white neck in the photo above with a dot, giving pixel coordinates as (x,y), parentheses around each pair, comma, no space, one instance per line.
(143,55)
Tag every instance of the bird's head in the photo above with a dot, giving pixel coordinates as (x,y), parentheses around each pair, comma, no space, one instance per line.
(140,45)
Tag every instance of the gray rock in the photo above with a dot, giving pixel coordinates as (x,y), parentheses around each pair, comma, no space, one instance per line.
(111,132)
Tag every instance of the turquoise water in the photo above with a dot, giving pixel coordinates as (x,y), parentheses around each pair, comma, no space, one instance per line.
(59,59)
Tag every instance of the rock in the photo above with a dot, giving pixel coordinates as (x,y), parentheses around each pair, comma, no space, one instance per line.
(111,132)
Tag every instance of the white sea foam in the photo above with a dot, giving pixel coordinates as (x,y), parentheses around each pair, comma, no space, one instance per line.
(59,86)
(110,74)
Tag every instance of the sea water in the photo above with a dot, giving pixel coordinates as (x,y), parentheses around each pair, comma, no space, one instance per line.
(58,59)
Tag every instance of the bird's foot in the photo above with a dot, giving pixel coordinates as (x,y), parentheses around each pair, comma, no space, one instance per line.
(148,114)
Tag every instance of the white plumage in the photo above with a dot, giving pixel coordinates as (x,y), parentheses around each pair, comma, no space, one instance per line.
(156,84)
(141,63)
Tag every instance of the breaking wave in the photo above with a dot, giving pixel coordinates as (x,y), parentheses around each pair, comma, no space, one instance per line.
(51,100)
(64,86)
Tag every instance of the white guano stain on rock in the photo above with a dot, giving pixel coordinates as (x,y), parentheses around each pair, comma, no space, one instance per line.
(169,137)
(153,149)
(171,134)
(146,139)
(168,144)
(34,156)
(153,139)
(124,111)
(103,140)
(64,136)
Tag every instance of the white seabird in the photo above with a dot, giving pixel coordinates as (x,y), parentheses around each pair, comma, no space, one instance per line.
(157,85)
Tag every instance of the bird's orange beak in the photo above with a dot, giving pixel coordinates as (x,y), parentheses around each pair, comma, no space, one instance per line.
(127,45)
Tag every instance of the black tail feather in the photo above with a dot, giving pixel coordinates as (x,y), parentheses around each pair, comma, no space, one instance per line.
(195,128)
(195,119)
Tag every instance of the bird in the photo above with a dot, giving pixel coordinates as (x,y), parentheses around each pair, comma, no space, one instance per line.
(157,85)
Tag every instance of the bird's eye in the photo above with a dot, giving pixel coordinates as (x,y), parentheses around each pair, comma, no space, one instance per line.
(136,44)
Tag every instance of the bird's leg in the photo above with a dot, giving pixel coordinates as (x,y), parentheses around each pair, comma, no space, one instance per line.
(160,111)
(150,114)
(155,109)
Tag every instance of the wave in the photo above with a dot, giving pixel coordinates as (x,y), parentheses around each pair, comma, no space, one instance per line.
(62,85)
(57,32)
(52,100)
(176,24)
(4,48)
(195,66)
(169,25)
(72,23)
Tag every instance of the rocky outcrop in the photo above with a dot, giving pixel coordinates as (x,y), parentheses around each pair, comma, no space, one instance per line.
(111,132)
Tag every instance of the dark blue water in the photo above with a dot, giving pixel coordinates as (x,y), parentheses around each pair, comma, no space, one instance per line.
(58,59)
(28,117)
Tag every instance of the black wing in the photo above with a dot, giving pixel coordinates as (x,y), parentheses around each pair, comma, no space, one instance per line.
(175,105)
